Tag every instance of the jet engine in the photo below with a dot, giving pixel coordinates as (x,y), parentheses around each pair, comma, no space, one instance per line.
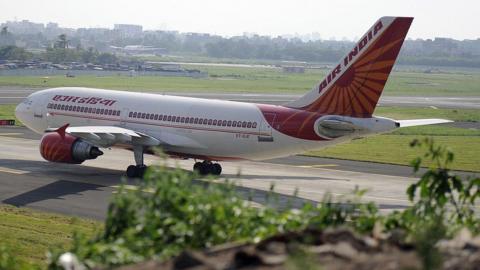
(65,148)
(336,126)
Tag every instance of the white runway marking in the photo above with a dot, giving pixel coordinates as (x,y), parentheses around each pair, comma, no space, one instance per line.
(14,171)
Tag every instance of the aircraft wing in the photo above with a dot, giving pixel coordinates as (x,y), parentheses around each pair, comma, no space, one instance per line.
(106,136)
(421,122)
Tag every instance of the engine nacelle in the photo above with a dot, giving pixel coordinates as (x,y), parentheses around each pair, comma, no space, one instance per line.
(67,149)
(336,126)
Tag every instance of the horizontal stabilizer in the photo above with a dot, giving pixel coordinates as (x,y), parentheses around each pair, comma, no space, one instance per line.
(421,122)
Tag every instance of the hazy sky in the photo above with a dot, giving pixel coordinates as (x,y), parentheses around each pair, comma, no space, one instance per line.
(458,19)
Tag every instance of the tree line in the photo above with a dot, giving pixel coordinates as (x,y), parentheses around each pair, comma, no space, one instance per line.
(436,52)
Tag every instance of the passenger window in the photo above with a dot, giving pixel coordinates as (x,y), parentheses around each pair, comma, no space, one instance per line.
(234,124)
(134,115)
(191,120)
(130,114)
(254,125)
(101,111)
(155,117)
(215,122)
(224,123)
(210,122)
(164,118)
(249,125)
(187,119)
(229,123)
(182,120)
(244,124)
(196,121)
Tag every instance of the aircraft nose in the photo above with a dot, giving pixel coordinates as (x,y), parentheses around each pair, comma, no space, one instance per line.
(21,112)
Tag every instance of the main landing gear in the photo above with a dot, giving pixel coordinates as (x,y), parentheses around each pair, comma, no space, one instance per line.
(207,167)
(139,169)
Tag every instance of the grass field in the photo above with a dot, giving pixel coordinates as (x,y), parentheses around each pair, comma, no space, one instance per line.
(394,149)
(260,80)
(7,111)
(29,234)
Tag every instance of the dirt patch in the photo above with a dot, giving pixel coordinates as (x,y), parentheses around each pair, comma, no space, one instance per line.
(330,249)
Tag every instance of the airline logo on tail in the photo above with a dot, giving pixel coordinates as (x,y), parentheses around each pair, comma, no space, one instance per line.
(353,87)
(351,55)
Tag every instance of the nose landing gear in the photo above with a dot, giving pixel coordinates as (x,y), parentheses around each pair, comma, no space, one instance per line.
(207,167)
(139,169)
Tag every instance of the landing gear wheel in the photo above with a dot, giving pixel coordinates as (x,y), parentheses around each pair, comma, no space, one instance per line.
(216,169)
(136,171)
(197,166)
(132,171)
(206,167)
(141,169)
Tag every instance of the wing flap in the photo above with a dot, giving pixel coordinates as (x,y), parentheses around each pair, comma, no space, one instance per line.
(106,136)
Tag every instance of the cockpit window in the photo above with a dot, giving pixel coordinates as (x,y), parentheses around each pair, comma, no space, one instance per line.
(27,101)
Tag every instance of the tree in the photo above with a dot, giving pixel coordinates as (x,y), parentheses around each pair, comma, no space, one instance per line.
(4,31)
(62,42)
(107,58)
(6,38)
(14,53)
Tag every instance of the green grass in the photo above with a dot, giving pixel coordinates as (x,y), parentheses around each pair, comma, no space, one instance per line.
(395,149)
(7,111)
(260,80)
(399,113)
(29,234)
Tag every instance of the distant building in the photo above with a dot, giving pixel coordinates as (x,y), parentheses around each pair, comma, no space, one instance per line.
(293,66)
(139,50)
(24,27)
(128,30)
(293,69)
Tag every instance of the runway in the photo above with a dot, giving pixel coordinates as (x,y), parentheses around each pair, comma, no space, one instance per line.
(84,190)
(11,95)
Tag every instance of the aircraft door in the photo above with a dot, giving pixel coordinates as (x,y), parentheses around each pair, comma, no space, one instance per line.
(39,107)
(124,117)
(265,127)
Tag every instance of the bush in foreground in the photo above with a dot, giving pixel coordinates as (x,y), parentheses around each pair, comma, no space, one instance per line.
(170,212)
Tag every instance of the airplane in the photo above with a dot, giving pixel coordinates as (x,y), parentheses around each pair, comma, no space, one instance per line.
(77,122)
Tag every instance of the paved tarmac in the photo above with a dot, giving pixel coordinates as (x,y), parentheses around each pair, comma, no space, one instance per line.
(11,95)
(84,190)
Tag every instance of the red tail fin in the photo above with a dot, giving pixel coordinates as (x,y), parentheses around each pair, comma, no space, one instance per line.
(354,86)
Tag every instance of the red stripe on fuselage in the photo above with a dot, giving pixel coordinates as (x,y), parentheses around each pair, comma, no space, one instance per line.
(292,122)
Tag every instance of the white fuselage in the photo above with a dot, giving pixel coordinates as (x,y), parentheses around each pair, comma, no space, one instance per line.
(152,114)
